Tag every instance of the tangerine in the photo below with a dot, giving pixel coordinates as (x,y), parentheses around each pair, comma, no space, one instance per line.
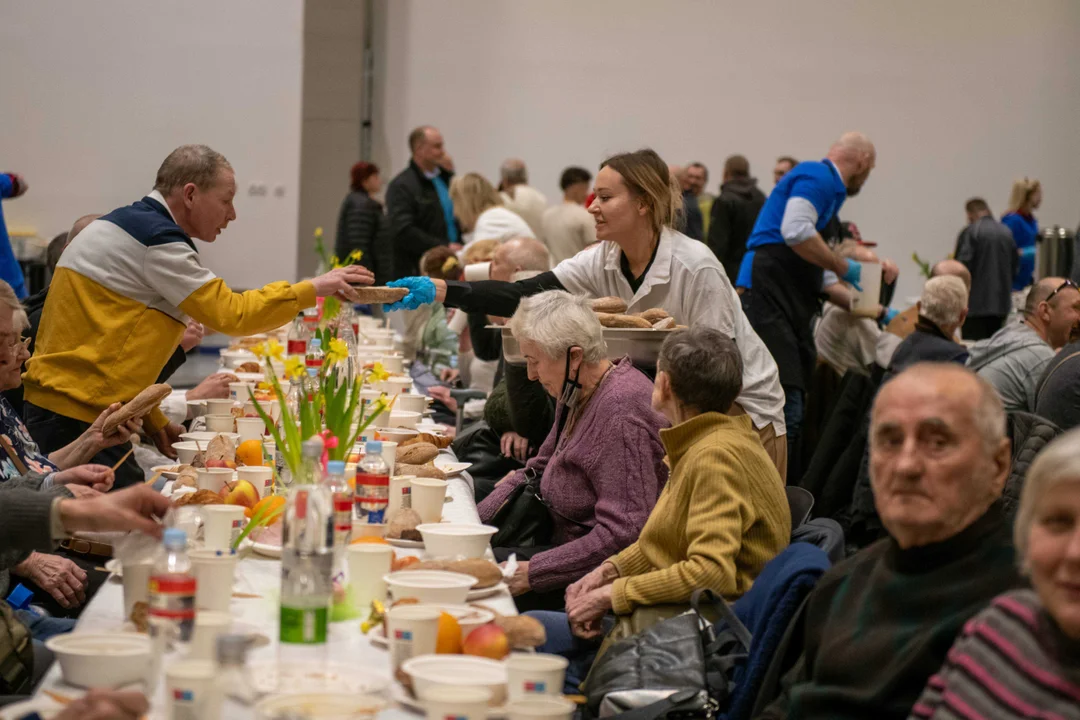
(250,453)
(448,640)
(403,563)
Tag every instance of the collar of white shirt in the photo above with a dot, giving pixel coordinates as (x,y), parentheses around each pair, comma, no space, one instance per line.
(161,199)
(660,271)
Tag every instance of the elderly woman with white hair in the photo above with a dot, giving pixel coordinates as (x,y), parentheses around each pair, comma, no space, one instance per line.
(1019,657)
(601,468)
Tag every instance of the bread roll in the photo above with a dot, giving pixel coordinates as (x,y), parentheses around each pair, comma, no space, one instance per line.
(623,321)
(522,631)
(428,470)
(138,407)
(249,367)
(417,453)
(667,323)
(376,295)
(609,304)
(653,315)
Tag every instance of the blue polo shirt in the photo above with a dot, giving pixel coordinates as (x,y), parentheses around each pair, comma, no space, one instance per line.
(819,182)
(10,270)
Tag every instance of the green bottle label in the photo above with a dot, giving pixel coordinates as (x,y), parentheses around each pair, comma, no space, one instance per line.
(304,625)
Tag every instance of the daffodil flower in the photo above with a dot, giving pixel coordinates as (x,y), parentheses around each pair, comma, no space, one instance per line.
(274,350)
(294,368)
(318,233)
(377,373)
(338,351)
(259,350)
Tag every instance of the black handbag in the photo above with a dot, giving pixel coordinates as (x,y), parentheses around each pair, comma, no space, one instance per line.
(682,667)
(524,519)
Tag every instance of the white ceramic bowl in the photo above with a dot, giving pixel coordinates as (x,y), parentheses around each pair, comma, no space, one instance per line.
(469,617)
(404,419)
(105,660)
(185,451)
(456,540)
(433,587)
(430,671)
(395,385)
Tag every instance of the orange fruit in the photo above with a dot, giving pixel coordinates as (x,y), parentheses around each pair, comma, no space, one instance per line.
(403,563)
(448,640)
(250,453)
(274,502)
(369,539)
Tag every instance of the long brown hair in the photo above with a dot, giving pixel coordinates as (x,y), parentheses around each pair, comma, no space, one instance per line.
(648,178)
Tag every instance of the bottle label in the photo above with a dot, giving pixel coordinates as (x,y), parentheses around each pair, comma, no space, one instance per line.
(172,598)
(297,347)
(313,362)
(343,513)
(305,626)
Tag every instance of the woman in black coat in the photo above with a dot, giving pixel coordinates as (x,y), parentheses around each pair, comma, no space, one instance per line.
(362,225)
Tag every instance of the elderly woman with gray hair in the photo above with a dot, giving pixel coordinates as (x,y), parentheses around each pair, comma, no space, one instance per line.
(601,467)
(1019,657)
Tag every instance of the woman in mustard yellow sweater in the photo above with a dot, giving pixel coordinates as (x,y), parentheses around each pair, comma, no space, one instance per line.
(722,515)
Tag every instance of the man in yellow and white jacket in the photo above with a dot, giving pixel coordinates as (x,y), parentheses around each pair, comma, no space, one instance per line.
(123,292)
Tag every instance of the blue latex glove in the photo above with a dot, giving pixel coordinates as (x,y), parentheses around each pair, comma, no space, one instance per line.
(853,274)
(890,313)
(421,292)
(1028,252)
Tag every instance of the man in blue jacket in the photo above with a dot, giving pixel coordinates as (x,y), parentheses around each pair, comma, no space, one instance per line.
(11,186)
(788,264)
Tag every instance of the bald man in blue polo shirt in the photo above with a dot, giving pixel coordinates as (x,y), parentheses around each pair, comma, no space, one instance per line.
(788,264)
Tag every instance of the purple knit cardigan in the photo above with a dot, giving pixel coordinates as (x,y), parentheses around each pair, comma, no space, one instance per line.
(607,475)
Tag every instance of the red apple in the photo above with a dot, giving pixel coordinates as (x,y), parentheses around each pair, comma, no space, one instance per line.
(487,641)
(240,492)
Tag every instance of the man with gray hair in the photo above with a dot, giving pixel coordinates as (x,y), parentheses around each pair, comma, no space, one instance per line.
(518,196)
(879,624)
(122,296)
(942,311)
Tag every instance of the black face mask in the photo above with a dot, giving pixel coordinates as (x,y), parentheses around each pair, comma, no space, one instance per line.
(570,393)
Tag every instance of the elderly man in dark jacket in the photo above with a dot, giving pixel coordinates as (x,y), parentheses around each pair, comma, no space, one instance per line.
(988,250)
(734,214)
(418,205)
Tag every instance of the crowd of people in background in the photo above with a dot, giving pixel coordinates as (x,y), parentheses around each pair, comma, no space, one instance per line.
(936,444)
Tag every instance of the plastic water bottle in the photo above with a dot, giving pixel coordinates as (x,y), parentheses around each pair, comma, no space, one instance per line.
(172,594)
(343,502)
(299,334)
(315,356)
(372,485)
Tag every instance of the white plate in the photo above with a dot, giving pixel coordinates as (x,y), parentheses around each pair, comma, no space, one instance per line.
(166,471)
(270,551)
(205,436)
(452,468)
(43,706)
(401,696)
(412,544)
(487,592)
(336,677)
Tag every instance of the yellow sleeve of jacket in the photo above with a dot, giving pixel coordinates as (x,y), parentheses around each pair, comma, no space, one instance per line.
(250,312)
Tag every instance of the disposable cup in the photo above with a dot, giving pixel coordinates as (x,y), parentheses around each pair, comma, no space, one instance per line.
(221,525)
(389,454)
(368,563)
(412,631)
(540,707)
(531,674)
(411,402)
(400,494)
(459,703)
(261,477)
(136,584)
(393,363)
(250,428)
(212,479)
(191,690)
(214,571)
(458,322)
(219,406)
(241,391)
(428,496)
(208,625)
(477,271)
(221,423)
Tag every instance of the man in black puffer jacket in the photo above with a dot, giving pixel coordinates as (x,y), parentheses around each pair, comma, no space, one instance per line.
(734,214)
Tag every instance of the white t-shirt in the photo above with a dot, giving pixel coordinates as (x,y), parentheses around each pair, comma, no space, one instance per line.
(498,223)
(530,204)
(568,229)
(689,283)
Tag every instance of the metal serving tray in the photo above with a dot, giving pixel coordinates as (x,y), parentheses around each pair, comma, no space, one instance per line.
(640,344)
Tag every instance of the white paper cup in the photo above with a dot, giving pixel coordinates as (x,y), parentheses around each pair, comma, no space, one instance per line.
(261,477)
(532,674)
(412,631)
(220,423)
(213,479)
(221,525)
(458,322)
(540,708)
(191,690)
(400,494)
(459,703)
(241,391)
(208,625)
(214,571)
(389,454)
(250,428)
(219,407)
(393,364)
(428,496)
(395,385)
(136,578)
(365,529)
(367,563)
(478,271)
(411,402)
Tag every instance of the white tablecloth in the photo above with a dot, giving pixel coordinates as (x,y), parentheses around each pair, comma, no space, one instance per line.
(261,576)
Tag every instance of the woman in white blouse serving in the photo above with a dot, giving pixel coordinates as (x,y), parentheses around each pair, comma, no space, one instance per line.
(648,264)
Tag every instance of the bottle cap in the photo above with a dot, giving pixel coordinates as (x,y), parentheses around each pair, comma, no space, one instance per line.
(374,446)
(336,467)
(316,342)
(312,447)
(174,537)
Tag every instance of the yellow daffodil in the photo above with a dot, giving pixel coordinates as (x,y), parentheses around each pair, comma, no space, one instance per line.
(259,350)
(318,233)
(377,373)
(338,351)
(274,350)
(294,368)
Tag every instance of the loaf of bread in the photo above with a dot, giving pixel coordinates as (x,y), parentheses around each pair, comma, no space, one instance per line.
(487,573)
(428,470)
(376,295)
(138,407)
(653,315)
(522,631)
(249,367)
(417,453)
(611,305)
(221,447)
(622,321)
(403,525)
(199,497)
(667,323)
(438,441)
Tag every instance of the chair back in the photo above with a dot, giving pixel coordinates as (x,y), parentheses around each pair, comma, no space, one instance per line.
(801,502)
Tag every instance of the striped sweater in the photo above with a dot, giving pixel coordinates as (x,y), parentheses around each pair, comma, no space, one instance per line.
(117,306)
(1011,661)
(720,518)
